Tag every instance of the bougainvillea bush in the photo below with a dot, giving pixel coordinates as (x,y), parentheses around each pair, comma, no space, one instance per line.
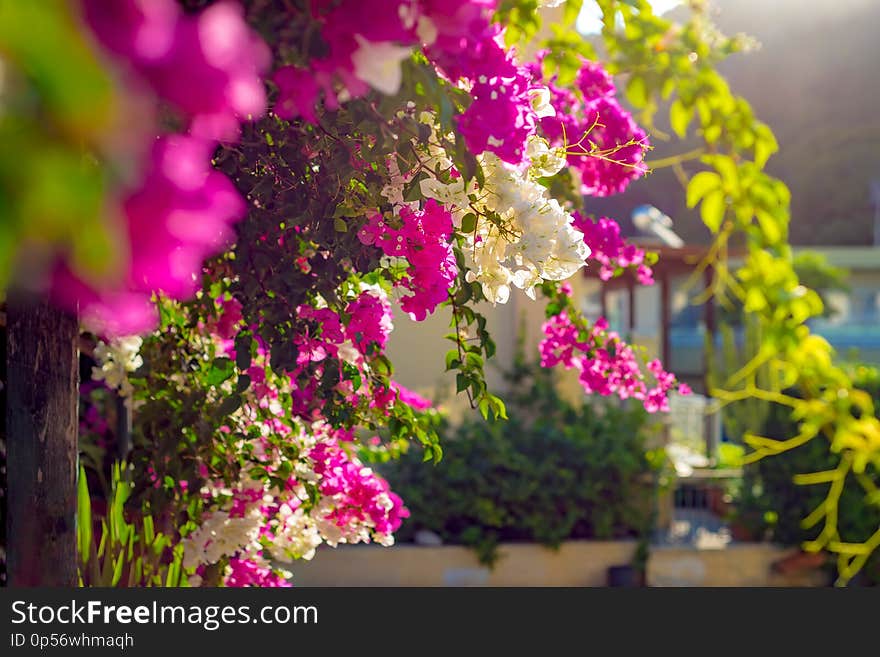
(302,166)
(232,195)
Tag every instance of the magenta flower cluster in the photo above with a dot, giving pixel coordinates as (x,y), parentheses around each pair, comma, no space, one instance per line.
(364,44)
(610,249)
(361,497)
(254,522)
(208,67)
(423,239)
(460,42)
(500,118)
(605,147)
(370,322)
(606,365)
(245,572)
(368,329)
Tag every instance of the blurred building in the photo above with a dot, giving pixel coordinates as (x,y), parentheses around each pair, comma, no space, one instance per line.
(853,328)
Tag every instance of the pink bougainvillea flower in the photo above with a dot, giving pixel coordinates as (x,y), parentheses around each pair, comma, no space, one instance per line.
(182,213)
(605,364)
(609,248)
(207,65)
(605,145)
(297,93)
(410,398)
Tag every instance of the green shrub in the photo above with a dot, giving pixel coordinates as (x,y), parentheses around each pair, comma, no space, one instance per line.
(552,472)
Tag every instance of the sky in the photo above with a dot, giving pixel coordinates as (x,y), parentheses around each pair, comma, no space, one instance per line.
(589,22)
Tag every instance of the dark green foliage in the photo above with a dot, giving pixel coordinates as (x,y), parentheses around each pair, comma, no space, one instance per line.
(552,472)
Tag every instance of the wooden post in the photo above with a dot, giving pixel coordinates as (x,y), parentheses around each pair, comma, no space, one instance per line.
(665,318)
(709,363)
(631,307)
(41,429)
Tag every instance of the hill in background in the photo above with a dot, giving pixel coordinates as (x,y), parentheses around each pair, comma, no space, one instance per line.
(816,81)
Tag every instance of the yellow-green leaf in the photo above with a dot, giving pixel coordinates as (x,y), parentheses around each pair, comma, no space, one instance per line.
(700,185)
(769,226)
(679,117)
(712,210)
(637,91)
(765,144)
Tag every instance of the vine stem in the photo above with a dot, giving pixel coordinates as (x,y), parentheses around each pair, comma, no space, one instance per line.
(458,341)
(673,160)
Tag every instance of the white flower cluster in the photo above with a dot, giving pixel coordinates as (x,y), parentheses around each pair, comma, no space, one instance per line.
(531,240)
(221,535)
(116,360)
(295,534)
(539,99)
(356,530)
(544,161)
(521,237)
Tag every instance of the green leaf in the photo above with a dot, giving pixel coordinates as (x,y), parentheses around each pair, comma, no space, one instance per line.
(412,191)
(571,11)
(500,409)
(712,210)
(769,226)
(637,91)
(229,405)
(173,573)
(149,529)
(468,223)
(755,300)
(339,225)
(679,117)
(83,516)
(765,144)
(700,185)
(221,369)
(117,569)
(243,351)
(726,166)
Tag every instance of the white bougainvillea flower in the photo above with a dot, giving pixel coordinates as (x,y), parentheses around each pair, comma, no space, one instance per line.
(539,99)
(545,161)
(378,64)
(115,360)
(454,194)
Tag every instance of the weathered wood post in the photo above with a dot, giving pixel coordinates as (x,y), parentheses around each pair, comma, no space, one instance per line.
(41,428)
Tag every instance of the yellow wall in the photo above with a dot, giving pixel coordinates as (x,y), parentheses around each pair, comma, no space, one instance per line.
(576,563)
(418,349)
